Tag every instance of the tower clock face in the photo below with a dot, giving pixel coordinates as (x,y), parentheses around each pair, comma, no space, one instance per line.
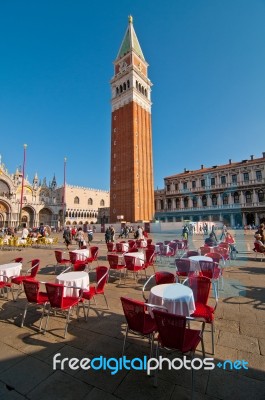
(123,66)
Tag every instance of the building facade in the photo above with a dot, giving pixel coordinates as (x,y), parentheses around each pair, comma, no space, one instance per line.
(44,204)
(131,178)
(232,193)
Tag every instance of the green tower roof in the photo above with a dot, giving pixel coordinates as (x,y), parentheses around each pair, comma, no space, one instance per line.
(130,41)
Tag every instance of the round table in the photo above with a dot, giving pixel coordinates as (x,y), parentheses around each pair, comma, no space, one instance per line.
(177,298)
(10,269)
(195,265)
(82,254)
(78,279)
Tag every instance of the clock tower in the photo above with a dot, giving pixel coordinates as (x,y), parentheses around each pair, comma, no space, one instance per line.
(131,185)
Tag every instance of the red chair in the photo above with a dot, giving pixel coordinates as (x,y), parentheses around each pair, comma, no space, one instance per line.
(60,260)
(30,275)
(114,264)
(201,287)
(131,266)
(59,302)
(139,322)
(149,241)
(132,245)
(225,253)
(204,250)
(34,298)
(119,248)
(102,274)
(94,255)
(191,253)
(174,335)
(258,250)
(111,247)
(183,268)
(149,259)
(160,278)
(75,262)
(216,257)
(18,260)
(4,284)
(210,270)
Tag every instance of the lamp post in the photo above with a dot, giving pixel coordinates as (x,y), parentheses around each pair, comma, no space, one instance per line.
(22,185)
(64,191)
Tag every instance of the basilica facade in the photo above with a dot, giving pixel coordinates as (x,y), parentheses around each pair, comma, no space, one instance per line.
(43,203)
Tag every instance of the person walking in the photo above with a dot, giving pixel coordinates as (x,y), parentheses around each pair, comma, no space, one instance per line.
(80,237)
(67,237)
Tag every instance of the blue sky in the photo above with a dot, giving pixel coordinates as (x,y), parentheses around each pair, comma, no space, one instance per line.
(207,66)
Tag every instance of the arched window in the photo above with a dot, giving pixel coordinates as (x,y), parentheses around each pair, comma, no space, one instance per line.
(102,203)
(66,213)
(128,84)
(214,200)
(140,87)
(225,199)
(161,205)
(142,90)
(124,86)
(76,200)
(117,91)
(236,198)
(177,203)
(204,201)
(194,201)
(169,203)
(90,202)
(261,196)
(248,195)
(136,84)
(120,88)
(186,202)
(145,92)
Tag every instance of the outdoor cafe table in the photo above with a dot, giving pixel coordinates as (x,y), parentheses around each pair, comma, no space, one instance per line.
(82,254)
(79,279)
(177,298)
(10,269)
(195,265)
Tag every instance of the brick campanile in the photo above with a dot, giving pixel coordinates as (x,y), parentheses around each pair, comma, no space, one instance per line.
(131,180)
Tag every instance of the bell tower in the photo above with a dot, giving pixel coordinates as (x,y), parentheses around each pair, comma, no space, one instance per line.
(131,185)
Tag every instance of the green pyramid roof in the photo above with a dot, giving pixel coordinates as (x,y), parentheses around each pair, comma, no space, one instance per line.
(130,42)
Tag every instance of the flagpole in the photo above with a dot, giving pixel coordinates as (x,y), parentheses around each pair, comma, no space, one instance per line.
(22,185)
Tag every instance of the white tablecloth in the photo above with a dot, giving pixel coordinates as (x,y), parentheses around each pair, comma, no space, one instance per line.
(177,298)
(10,269)
(124,246)
(194,265)
(82,254)
(79,279)
(140,257)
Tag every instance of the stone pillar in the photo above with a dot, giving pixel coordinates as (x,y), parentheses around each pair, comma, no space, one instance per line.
(256,219)
(244,220)
(232,220)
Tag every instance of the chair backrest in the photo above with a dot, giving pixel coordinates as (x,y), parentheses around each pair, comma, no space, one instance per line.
(35,265)
(207,268)
(119,248)
(94,252)
(58,255)
(204,250)
(216,257)
(149,241)
(72,256)
(171,329)
(129,262)
(55,294)
(151,247)
(111,246)
(31,289)
(191,253)
(149,256)
(113,260)
(201,286)
(80,266)
(225,253)
(102,277)
(223,244)
(162,277)
(18,259)
(134,311)
(183,266)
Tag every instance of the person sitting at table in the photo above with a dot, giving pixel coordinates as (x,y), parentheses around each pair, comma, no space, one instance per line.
(231,241)
(210,241)
(259,242)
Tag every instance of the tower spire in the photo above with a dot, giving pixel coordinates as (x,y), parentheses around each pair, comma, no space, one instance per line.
(130,41)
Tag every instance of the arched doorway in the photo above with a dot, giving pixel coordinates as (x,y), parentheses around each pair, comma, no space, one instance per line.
(4,219)
(27,216)
(250,217)
(45,217)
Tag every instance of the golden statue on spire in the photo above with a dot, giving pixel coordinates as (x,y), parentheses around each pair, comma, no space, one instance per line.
(130,19)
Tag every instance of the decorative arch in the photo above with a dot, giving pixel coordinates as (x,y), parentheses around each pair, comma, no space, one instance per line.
(90,201)
(102,203)
(76,200)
